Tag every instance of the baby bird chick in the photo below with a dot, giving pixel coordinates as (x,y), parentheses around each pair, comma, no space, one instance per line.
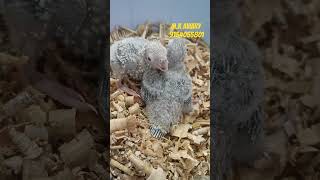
(237,91)
(168,94)
(132,56)
(154,81)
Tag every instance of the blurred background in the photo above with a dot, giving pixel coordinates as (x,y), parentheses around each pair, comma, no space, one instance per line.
(286,32)
(130,13)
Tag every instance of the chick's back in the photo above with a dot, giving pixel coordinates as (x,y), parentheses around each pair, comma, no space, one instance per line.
(127,57)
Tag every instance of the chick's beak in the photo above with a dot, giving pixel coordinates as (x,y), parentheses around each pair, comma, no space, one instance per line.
(163,66)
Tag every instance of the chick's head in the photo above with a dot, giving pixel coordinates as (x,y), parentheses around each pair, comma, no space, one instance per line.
(177,51)
(156,56)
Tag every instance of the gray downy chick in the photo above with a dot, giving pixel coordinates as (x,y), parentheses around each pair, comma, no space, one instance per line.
(180,82)
(237,86)
(154,81)
(237,80)
(168,94)
(167,109)
(131,57)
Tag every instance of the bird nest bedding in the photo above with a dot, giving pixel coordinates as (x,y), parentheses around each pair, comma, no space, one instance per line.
(287,33)
(182,154)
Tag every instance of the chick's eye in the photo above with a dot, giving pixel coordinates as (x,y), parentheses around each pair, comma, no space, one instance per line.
(149,58)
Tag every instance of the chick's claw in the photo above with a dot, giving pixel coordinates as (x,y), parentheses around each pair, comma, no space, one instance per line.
(156,132)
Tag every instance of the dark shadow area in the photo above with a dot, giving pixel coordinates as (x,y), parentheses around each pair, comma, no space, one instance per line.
(54,89)
(285,133)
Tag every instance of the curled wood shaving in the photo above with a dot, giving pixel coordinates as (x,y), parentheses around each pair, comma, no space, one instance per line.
(201,131)
(157,174)
(162,34)
(123,168)
(134,108)
(181,130)
(14,163)
(69,97)
(146,167)
(36,133)
(77,151)
(18,103)
(33,169)
(196,138)
(6,59)
(62,123)
(65,174)
(129,100)
(123,123)
(35,114)
(310,136)
(144,34)
(115,94)
(128,29)
(29,148)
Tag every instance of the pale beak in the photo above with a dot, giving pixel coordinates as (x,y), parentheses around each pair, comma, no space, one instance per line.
(163,66)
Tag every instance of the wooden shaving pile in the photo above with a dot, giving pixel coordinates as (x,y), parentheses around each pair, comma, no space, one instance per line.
(287,32)
(39,137)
